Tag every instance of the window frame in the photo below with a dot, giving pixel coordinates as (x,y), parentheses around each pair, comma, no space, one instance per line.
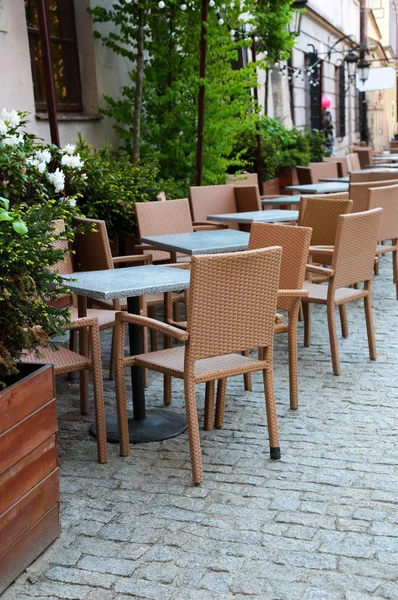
(341,106)
(71,43)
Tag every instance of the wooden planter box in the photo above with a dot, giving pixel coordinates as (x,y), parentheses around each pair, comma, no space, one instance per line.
(287,176)
(29,473)
(271,187)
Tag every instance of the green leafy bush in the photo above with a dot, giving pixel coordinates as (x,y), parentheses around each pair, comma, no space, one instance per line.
(317,145)
(114,185)
(37,185)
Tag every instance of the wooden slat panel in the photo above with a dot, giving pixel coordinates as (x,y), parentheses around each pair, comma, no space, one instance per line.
(29,509)
(17,442)
(28,472)
(23,398)
(28,547)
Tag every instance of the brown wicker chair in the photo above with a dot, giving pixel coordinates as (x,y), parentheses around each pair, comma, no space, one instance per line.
(352,263)
(212,199)
(387,199)
(353,162)
(359,193)
(217,328)
(372,175)
(342,165)
(365,156)
(316,170)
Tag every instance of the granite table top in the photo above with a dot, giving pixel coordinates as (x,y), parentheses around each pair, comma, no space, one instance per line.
(128,282)
(319,188)
(262,216)
(393,157)
(201,242)
(283,200)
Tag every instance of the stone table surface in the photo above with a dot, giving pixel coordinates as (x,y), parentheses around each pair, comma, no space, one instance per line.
(263,216)
(201,242)
(128,282)
(393,157)
(283,200)
(320,524)
(319,188)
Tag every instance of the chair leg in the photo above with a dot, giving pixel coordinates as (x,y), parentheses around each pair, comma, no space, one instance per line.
(293,359)
(83,350)
(343,320)
(120,384)
(334,349)
(152,332)
(301,313)
(376,268)
(72,347)
(220,402)
(247,377)
(209,406)
(177,312)
(98,396)
(272,420)
(307,323)
(395,267)
(112,358)
(193,432)
(369,326)
(167,381)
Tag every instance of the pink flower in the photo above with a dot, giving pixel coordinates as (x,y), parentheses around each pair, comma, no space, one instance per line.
(24,170)
(83,175)
(5,182)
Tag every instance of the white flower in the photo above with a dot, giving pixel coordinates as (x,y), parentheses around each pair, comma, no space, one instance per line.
(13,140)
(12,118)
(3,127)
(57,179)
(69,148)
(41,167)
(43,156)
(71,202)
(74,162)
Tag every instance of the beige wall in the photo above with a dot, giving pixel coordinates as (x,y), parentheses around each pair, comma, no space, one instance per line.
(102,72)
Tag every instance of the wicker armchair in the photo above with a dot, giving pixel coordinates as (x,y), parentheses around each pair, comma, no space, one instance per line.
(217,330)
(353,162)
(372,175)
(360,192)
(352,262)
(387,199)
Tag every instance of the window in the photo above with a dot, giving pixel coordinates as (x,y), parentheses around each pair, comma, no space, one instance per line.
(64,54)
(341,112)
(315,91)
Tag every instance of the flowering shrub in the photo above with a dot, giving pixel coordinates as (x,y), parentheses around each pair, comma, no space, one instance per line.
(38,184)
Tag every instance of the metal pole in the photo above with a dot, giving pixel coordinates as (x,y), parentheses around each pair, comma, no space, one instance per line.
(201,98)
(44,33)
(363,104)
(259,155)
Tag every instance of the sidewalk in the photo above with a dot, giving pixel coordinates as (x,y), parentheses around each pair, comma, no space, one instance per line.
(321,524)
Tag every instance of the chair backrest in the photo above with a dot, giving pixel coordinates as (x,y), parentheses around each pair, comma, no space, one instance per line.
(359,193)
(212,200)
(93,252)
(387,199)
(63,267)
(321,213)
(394,144)
(247,198)
(161,218)
(304,175)
(323,169)
(365,156)
(232,302)
(372,175)
(295,243)
(355,247)
(353,162)
(341,161)
(393,151)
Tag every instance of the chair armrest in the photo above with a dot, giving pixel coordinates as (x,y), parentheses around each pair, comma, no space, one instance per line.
(292,293)
(146,247)
(325,250)
(319,270)
(271,196)
(81,322)
(132,259)
(164,328)
(208,226)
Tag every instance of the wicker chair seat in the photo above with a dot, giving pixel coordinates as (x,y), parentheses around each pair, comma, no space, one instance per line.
(106,318)
(319,294)
(64,360)
(171,361)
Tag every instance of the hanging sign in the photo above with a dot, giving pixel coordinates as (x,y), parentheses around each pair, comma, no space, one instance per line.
(380,78)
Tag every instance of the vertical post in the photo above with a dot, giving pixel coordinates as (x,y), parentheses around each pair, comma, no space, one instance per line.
(363,104)
(201,98)
(44,33)
(259,156)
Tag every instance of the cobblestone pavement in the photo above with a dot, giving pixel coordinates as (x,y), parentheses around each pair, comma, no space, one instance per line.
(321,524)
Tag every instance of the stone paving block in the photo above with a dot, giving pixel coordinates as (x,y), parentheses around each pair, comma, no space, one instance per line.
(79,576)
(114,566)
(144,589)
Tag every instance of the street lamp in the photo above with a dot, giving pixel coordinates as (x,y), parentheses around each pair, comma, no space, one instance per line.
(351,59)
(363,69)
(295,25)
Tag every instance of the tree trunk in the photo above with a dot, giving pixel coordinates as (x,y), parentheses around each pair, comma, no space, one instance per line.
(138,87)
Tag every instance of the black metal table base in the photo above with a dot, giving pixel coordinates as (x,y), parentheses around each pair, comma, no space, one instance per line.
(159,424)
